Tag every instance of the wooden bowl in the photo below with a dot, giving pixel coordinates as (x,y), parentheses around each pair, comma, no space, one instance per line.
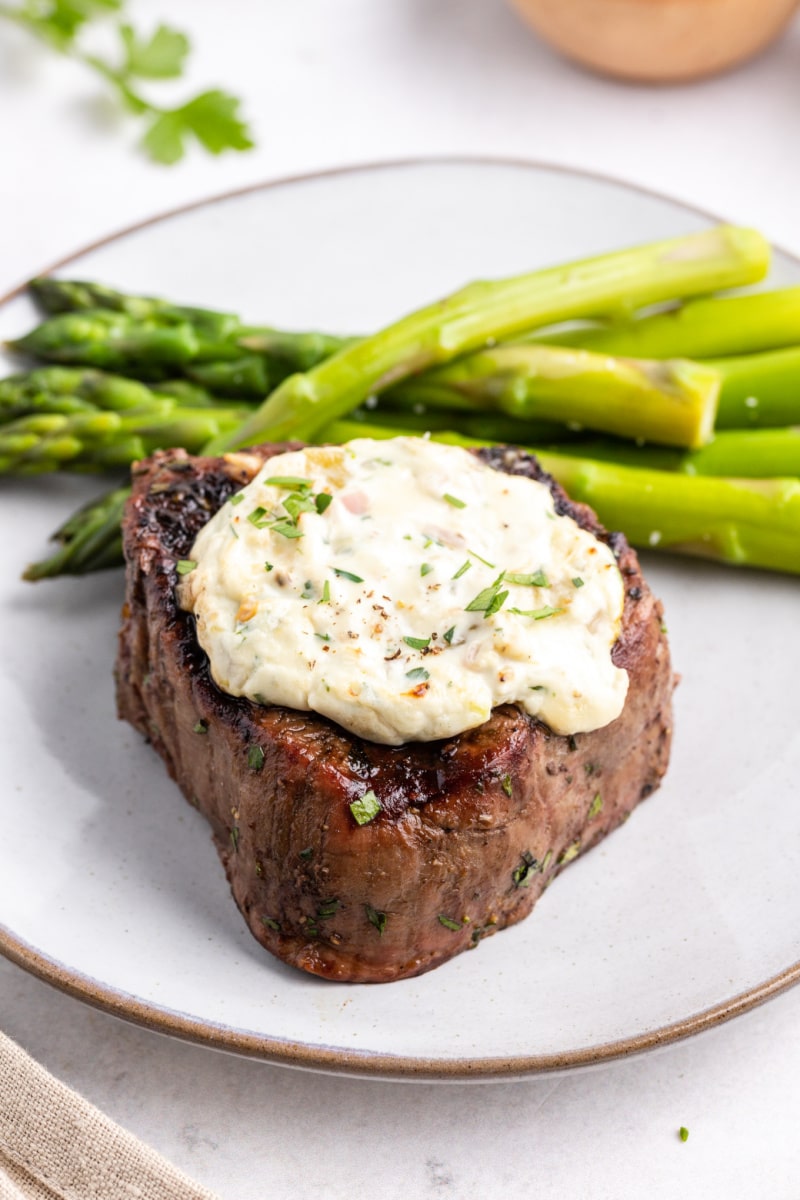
(658,40)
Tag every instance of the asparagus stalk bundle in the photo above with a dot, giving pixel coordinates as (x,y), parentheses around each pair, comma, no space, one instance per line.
(743,522)
(671,501)
(467,319)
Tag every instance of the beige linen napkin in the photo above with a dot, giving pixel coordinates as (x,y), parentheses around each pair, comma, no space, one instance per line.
(54,1145)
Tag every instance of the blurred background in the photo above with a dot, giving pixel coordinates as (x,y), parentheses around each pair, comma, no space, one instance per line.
(324,84)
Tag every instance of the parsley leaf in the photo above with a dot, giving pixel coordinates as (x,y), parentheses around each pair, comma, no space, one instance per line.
(538,614)
(213,119)
(366,808)
(537,579)
(490,600)
(161,56)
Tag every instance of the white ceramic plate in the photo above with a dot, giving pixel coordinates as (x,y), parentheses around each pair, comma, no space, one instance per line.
(109,885)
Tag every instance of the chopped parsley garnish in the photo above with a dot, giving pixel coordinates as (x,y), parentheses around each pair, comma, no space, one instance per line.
(267,566)
(454,500)
(537,579)
(323,637)
(299,500)
(537,687)
(255,758)
(462,570)
(235,839)
(185,566)
(271,924)
(485,561)
(306,854)
(376,918)
(200,727)
(425,569)
(347,575)
(418,673)
(538,614)
(417,643)
(327,909)
(366,808)
(507,785)
(237,499)
(326,593)
(448,636)
(577,581)
(524,873)
(308,590)
(683,1133)
(285,528)
(596,806)
(490,600)
(449,923)
(546,860)
(288,481)
(259,517)
(298,503)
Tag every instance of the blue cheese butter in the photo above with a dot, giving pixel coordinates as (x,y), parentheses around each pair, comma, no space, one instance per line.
(404,589)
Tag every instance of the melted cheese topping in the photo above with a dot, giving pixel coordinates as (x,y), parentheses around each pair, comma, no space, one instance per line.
(404,589)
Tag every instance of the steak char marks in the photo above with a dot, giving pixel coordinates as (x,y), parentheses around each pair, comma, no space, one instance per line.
(472,829)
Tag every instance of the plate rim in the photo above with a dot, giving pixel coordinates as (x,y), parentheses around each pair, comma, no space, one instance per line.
(339,1060)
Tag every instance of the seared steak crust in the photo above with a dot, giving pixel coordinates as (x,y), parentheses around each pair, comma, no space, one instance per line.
(472,829)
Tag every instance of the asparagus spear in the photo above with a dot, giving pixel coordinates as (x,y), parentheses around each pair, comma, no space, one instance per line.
(70,295)
(753,454)
(51,441)
(85,389)
(761,390)
(748,454)
(707,328)
(112,340)
(673,402)
(491,427)
(300,350)
(90,540)
(480,312)
(747,522)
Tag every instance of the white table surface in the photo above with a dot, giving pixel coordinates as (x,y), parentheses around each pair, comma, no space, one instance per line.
(360,80)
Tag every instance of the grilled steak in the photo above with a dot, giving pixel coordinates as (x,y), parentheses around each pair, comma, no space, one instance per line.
(472,829)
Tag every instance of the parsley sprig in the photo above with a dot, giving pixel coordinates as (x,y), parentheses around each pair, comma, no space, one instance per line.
(210,118)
